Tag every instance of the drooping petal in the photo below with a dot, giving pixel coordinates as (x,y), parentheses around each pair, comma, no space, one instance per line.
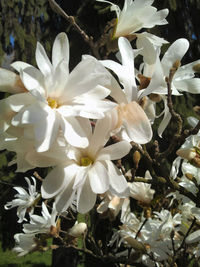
(64,199)
(86,198)
(57,180)
(99,179)
(136,123)
(118,183)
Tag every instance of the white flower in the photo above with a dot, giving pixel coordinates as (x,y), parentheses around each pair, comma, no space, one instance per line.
(88,172)
(157,70)
(55,98)
(41,224)
(110,204)
(25,243)
(25,201)
(141,191)
(136,15)
(128,115)
(20,141)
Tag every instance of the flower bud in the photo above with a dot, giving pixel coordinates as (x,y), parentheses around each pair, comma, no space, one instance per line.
(136,157)
(186,153)
(196,68)
(78,229)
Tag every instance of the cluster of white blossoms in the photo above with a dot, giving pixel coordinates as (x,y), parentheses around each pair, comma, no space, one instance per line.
(82,123)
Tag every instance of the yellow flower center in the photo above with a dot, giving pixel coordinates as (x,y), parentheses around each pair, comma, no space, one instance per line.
(52,102)
(85,161)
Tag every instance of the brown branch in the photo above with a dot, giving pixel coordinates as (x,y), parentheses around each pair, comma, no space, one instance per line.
(88,39)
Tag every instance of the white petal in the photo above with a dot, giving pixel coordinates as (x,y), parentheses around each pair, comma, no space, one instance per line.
(194,237)
(20,65)
(33,79)
(190,85)
(60,49)
(73,132)
(65,198)
(118,183)
(56,180)
(86,198)
(42,60)
(99,180)
(46,132)
(137,124)
(115,151)
(10,82)
(175,52)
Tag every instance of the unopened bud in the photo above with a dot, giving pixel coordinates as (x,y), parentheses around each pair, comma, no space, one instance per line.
(136,157)
(189,176)
(78,229)
(195,162)
(197,110)
(144,81)
(196,68)
(155,97)
(188,153)
(54,231)
(134,243)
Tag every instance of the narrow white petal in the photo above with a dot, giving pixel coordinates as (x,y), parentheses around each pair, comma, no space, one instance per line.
(99,179)
(60,49)
(65,198)
(118,183)
(115,151)
(42,60)
(86,198)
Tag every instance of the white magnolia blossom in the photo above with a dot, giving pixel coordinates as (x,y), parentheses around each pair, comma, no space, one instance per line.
(56,97)
(25,243)
(154,235)
(15,139)
(25,201)
(41,224)
(135,16)
(88,171)
(157,70)
(129,116)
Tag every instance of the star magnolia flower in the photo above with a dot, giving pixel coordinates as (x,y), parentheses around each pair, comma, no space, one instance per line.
(25,243)
(183,80)
(55,98)
(26,155)
(128,114)
(141,191)
(136,15)
(41,224)
(25,201)
(88,171)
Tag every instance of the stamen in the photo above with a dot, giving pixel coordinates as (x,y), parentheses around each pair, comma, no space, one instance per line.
(85,161)
(52,102)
